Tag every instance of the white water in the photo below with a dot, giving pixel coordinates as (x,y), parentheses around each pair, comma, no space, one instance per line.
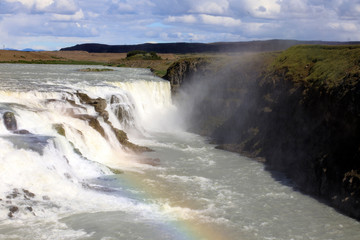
(196,192)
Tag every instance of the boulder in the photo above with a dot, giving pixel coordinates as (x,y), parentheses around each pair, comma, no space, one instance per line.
(10,121)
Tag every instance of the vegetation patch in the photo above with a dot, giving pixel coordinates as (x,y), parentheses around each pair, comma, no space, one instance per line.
(142,55)
(318,65)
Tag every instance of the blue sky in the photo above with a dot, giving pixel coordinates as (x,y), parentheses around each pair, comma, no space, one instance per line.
(53,24)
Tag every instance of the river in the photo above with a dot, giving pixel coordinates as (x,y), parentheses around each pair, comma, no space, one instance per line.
(82,185)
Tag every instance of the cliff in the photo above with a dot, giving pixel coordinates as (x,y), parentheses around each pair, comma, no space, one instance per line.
(298,111)
(185,69)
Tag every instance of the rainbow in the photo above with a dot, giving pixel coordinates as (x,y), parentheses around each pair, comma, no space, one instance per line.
(178,226)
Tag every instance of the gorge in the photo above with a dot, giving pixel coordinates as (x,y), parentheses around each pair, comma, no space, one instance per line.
(95,154)
(297,111)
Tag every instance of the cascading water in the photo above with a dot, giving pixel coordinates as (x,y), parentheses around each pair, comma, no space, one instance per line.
(66,174)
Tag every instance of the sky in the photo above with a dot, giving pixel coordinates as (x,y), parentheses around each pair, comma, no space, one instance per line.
(53,24)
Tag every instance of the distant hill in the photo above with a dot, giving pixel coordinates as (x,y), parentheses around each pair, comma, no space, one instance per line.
(183,47)
(24,50)
(32,50)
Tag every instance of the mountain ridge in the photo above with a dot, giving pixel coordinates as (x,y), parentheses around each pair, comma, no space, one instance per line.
(185,47)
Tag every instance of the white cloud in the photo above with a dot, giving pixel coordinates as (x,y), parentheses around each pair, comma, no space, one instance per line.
(209,7)
(181,19)
(220,21)
(32,3)
(134,21)
(66,5)
(344,26)
(261,8)
(65,17)
(130,6)
(59,6)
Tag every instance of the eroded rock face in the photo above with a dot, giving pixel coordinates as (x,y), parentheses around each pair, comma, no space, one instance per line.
(93,122)
(184,69)
(99,105)
(307,129)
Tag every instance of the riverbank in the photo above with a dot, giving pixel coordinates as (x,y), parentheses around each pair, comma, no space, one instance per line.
(85,58)
(296,110)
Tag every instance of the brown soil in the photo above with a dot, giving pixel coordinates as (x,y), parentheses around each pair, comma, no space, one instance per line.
(7,56)
(82,57)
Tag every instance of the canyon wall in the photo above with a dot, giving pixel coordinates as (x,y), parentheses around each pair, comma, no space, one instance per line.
(298,111)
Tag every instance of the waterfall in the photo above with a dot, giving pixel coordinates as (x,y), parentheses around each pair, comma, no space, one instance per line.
(66,131)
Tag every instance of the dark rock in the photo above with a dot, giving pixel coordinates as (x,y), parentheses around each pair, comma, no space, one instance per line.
(12,210)
(28,193)
(14,194)
(59,129)
(93,122)
(73,103)
(185,69)
(99,104)
(30,209)
(10,121)
(123,139)
(307,128)
(22,131)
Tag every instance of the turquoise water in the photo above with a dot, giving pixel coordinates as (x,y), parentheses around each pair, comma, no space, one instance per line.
(184,189)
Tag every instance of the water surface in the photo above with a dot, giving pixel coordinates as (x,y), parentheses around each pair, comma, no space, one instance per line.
(186,190)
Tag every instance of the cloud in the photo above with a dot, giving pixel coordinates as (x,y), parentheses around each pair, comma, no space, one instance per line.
(66,17)
(209,7)
(137,21)
(57,6)
(181,19)
(130,6)
(262,8)
(344,26)
(349,9)
(220,21)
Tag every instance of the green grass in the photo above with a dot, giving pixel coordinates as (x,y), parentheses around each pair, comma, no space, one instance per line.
(142,55)
(319,65)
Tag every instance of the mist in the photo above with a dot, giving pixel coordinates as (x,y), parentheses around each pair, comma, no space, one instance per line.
(223,90)
(284,109)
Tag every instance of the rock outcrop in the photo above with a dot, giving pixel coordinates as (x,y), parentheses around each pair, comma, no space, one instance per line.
(99,105)
(184,69)
(297,111)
